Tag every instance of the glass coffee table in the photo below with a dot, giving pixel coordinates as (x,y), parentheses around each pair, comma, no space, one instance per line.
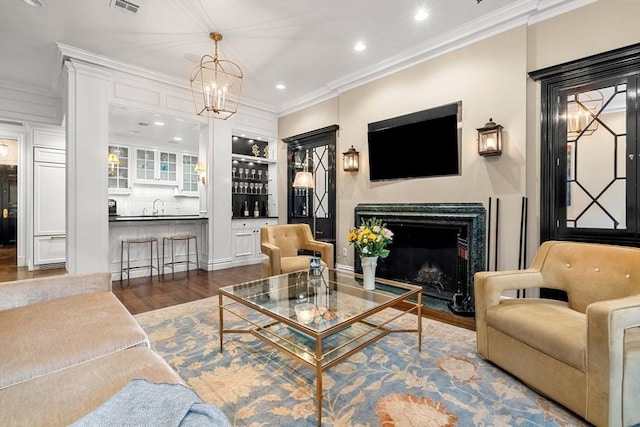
(320,320)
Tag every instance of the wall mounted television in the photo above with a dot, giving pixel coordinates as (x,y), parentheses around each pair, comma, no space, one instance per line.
(416,145)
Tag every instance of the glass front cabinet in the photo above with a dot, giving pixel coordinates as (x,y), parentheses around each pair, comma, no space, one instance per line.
(118,169)
(154,166)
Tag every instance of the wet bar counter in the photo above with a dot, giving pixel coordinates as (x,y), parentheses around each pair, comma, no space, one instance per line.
(158,226)
(119,218)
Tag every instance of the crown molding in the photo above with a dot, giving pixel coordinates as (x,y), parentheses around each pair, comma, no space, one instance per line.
(523,12)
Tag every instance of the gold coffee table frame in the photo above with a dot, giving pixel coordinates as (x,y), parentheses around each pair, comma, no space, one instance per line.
(342,324)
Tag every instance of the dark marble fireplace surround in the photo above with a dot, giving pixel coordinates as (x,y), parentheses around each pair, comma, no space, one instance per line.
(425,247)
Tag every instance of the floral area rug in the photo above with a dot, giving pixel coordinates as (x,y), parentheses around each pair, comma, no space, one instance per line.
(387,384)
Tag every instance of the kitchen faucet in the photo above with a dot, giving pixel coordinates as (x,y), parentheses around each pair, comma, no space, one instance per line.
(155,210)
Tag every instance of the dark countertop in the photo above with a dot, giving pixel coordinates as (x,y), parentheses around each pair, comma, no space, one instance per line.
(138,218)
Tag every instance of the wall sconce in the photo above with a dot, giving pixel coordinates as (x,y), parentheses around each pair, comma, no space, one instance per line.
(490,139)
(201,171)
(351,160)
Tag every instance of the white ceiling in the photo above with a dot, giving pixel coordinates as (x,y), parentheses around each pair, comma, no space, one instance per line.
(306,45)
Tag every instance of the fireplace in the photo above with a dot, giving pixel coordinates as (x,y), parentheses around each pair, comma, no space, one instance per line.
(438,246)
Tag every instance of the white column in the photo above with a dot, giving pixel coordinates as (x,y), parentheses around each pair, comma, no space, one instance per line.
(219,192)
(87,147)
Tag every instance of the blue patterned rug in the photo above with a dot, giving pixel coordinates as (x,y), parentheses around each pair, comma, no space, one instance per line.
(387,384)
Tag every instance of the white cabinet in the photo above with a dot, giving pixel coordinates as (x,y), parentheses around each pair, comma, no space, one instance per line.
(49,250)
(49,209)
(156,167)
(246,239)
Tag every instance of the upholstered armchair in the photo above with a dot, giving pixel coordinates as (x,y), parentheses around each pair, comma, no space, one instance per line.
(282,244)
(584,353)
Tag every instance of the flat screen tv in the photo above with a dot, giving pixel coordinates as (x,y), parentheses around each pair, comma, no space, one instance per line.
(421,144)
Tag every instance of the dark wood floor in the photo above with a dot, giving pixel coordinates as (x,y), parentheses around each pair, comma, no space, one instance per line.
(145,294)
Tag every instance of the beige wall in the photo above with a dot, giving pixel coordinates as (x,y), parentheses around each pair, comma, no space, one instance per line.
(490,78)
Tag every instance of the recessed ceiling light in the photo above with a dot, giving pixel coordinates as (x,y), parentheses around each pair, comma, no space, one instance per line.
(34,3)
(421,15)
(280,86)
(359,47)
(177,138)
(158,123)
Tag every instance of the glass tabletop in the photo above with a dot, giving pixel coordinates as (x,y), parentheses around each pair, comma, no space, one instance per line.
(318,302)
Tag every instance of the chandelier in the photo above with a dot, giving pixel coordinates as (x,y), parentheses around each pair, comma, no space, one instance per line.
(582,111)
(216,85)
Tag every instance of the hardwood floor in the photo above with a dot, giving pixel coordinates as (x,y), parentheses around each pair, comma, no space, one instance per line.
(144,294)
(9,271)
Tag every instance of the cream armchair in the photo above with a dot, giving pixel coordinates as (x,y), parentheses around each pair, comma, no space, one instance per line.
(584,353)
(281,244)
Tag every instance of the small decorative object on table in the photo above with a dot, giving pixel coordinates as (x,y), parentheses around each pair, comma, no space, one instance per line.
(370,240)
(314,265)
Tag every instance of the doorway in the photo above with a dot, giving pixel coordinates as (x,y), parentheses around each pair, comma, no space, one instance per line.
(315,204)
(8,202)
(590,146)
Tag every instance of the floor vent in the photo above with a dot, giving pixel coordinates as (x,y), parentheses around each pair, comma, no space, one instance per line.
(11,123)
(51,266)
(125,6)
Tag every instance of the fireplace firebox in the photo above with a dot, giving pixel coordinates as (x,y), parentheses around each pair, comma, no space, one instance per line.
(438,246)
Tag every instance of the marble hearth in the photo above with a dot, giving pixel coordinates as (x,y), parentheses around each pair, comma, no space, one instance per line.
(427,251)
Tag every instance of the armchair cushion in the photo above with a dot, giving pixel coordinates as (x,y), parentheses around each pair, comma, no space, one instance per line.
(550,327)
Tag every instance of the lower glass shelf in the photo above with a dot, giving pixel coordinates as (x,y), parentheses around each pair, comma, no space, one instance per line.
(334,346)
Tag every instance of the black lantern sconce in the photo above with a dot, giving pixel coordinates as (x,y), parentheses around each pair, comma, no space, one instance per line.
(490,139)
(351,160)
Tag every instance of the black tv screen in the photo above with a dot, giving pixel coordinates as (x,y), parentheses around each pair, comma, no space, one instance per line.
(416,145)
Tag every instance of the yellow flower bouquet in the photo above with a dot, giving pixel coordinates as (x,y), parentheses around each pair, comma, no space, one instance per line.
(371,238)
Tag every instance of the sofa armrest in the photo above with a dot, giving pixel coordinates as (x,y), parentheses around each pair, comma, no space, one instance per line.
(324,249)
(488,287)
(274,254)
(607,322)
(30,291)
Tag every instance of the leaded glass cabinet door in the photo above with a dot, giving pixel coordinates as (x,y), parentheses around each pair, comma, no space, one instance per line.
(598,149)
(314,152)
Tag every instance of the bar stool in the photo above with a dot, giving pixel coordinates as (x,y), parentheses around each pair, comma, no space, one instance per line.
(172,240)
(141,240)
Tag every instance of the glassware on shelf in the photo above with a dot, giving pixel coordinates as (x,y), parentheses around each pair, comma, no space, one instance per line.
(260,174)
(266,175)
(246,186)
(251,187)
(266,188)
(233,171)
(235,187)
(253,174)
(260,186)
(240,170)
